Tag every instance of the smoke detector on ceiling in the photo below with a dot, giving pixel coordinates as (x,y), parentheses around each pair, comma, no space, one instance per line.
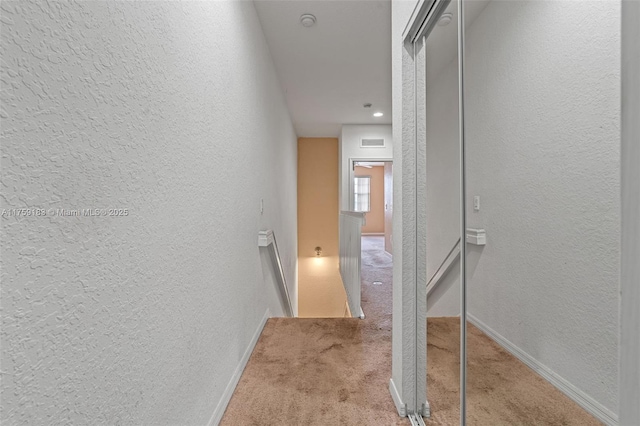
(445,19)
(307,20)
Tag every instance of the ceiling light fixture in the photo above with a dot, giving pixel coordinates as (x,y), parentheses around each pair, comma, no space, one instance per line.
(307,20)
(378,114)
(445,19)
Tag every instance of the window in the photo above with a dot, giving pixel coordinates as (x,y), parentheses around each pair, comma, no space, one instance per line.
(361,193)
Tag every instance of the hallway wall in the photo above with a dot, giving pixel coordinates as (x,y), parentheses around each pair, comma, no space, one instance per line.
(157,108)
(321,293)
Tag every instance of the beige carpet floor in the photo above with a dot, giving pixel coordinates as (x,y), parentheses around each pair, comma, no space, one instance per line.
(336,371)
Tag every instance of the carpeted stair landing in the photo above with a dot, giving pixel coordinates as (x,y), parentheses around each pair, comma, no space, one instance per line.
(336,371)
(311,371)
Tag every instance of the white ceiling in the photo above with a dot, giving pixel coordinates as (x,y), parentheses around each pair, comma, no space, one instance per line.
(330,70)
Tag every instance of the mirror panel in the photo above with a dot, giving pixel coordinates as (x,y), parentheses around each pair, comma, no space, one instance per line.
(443,218)
(542,166)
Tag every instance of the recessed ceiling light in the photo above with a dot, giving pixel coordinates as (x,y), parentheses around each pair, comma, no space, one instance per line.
(378,114)
(445,19)
(307,20)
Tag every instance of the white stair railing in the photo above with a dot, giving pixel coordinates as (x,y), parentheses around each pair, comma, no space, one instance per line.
(444,267)
(350,258)
(268,239)
(476,237)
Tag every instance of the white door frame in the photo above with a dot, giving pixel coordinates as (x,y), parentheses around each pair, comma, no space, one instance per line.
(352,161)
(408,384)
(629,393)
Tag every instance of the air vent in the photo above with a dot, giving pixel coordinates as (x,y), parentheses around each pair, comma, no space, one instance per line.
(371,143)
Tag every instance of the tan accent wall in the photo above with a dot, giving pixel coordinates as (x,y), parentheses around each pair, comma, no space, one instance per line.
(375,217)
(320,289)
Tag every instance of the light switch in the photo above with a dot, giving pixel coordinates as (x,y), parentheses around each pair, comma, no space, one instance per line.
(476,203)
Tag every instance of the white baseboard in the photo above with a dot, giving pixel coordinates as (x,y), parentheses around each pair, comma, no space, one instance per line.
(585,401)
(235,378)
(400,406)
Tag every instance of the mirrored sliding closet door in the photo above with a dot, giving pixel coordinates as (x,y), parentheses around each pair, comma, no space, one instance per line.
(442,214)
(541,137)
(518,116)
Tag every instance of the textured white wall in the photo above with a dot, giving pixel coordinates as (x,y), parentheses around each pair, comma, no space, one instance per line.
(350,137)
(172,110)
(543,140)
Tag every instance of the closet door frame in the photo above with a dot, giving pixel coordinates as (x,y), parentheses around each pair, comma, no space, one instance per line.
(421,22)
(409,363)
